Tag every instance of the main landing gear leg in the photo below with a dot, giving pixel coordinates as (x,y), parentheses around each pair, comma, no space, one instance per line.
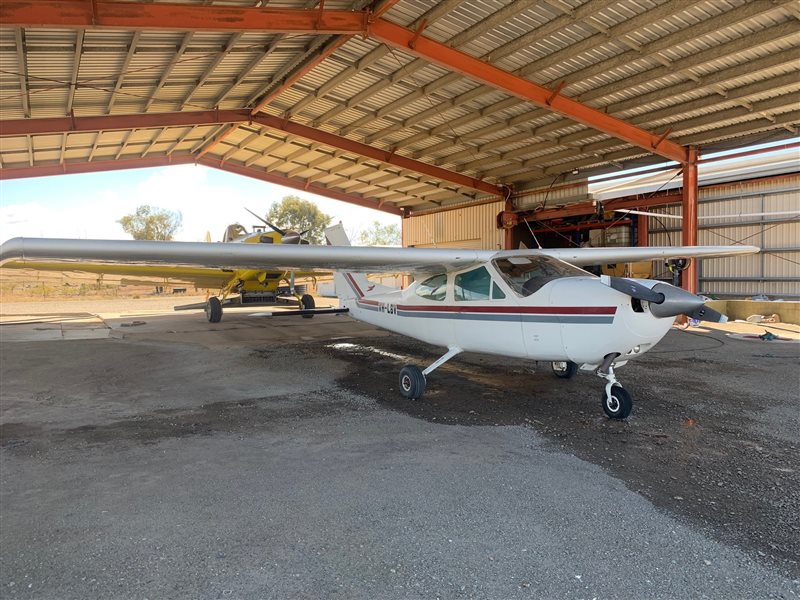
(617,402)
(412,379)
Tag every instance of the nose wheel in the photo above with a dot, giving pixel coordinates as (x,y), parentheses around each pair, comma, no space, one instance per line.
(617,402)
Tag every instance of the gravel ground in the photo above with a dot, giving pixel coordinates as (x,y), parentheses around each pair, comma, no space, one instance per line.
(255,459)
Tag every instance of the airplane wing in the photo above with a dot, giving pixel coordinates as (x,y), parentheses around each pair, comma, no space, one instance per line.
(199,276)
(596,256)
(323,258)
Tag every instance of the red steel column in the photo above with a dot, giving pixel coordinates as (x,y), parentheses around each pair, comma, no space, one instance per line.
(689,232)
(508,241)
(642,231)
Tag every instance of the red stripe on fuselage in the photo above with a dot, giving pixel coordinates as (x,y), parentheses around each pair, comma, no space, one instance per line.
(538,310)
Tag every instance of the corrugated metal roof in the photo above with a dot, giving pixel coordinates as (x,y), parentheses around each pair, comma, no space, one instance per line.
(718,72)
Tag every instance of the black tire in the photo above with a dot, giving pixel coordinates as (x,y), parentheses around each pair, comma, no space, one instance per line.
(307,302)
(619,406)
(412,382)
(214,310)
(564,369)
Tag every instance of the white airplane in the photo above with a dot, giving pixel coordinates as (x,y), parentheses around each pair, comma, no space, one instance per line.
(530,304)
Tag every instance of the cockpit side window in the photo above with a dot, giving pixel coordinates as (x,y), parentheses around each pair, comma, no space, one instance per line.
(433,288)
(497,293)
(473,285)
(527,274)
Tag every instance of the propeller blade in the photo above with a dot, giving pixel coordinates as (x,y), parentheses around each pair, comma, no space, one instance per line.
(706,313)
(265,222)
(633,289)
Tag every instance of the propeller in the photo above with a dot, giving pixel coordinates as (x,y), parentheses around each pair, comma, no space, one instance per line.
(666,300)
(288,236)
(267,223)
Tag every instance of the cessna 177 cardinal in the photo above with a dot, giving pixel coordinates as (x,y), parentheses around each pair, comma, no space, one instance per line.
(532,304)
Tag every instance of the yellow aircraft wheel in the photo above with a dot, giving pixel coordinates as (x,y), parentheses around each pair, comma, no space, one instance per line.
(214,310)
(307,303)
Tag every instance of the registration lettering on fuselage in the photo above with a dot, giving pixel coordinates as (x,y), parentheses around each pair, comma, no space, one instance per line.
(388,308)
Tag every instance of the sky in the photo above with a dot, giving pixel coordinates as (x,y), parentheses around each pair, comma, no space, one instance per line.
(88,205)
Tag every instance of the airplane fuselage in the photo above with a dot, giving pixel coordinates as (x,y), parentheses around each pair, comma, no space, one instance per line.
(578,319)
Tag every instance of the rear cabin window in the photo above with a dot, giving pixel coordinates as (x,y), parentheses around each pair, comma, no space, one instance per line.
(473,285)
(433,288)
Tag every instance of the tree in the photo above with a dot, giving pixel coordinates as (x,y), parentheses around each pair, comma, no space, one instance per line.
(299,215)
(150,223)
(380,235)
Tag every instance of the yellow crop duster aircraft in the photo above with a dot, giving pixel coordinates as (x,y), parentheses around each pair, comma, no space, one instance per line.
(251,287)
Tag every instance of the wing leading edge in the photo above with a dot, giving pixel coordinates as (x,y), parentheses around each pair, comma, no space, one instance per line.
(322,258)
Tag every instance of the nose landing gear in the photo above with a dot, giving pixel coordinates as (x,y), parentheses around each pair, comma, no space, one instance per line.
(617,402)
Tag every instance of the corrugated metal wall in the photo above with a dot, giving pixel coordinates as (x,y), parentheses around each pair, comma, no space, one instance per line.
(776,271)
(468,227)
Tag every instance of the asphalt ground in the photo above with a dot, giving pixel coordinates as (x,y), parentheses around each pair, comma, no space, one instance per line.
(150,455)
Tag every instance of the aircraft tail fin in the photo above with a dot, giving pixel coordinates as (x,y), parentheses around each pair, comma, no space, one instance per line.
(350,285)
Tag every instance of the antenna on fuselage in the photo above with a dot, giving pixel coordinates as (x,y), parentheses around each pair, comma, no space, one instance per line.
(535,239)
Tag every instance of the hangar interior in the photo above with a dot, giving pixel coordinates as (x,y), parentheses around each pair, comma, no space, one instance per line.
(479,122)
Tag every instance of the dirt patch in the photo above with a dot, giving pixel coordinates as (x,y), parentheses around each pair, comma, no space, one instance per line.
(260,414)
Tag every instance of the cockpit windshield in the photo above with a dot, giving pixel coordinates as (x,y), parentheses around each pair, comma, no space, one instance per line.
(527,274)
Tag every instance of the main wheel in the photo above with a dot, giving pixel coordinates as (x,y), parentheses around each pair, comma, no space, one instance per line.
(564,369)
(619,404)
(307,302)
(412,382)
(214,310)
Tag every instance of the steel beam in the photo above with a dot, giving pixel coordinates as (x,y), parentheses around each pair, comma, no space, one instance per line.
(642,231)
(348,145)
(293,78)
(216,141)
(689,224)
(298,184)
(97,166)
(85,14)
(580,209)
(14,127)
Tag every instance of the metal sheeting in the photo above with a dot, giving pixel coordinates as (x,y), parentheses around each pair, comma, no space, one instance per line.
(716,71)
(468,227)
(776,271)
